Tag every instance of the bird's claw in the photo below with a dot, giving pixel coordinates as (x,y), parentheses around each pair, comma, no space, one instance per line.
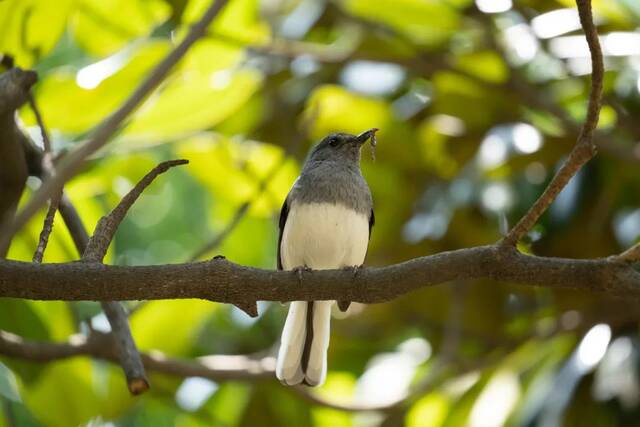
(354,269)
(300,270)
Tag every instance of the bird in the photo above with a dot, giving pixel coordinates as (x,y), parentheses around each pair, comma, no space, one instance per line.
(325,223)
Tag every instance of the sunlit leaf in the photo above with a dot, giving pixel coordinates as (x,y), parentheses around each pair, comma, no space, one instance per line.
(150,324)
(192,102)
(240,20)
(102,32)
(64,394)
(333,108)
(29,29)
(427,22)
(430,411)
(73,102)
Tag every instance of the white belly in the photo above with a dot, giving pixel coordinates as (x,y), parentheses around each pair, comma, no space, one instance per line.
(324,236)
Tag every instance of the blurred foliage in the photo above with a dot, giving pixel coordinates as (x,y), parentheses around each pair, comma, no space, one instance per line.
(477,102)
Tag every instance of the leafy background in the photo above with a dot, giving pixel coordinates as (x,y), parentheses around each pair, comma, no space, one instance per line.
(477,105)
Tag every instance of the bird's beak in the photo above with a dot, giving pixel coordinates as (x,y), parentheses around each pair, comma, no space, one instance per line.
(364,136)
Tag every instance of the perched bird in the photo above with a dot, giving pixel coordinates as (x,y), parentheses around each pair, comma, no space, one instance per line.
(325,223)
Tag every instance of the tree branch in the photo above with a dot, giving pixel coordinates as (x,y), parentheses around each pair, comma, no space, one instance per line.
(94,252)
(222,281)
(100,346)
(108,224)
(47,165)
(631,255)
(126,350)
(72,162)
(14,89)
(584,149)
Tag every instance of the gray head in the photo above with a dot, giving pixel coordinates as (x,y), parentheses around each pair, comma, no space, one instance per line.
(340,147)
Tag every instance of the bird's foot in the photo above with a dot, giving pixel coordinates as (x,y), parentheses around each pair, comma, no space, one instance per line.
(354,269)
(300,270)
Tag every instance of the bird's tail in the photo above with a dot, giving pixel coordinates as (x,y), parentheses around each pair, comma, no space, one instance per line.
(302,358)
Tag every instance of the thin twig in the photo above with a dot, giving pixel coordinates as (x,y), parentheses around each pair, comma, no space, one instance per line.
(47,228)
(126,350)
(46,141)
(239,213)
(293,146)
(584,149)
(108,224)
(631,255)
(47,165)
(74,224)
(71,163)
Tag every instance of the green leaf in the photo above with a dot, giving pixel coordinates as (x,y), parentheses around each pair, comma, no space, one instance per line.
(190,103)
(228,404)
(29,29)
(150,325)
(70,108)
(487,65)
(102,27)
(430,411)
(427,22)
(239,20)
(64,394)
(337,109)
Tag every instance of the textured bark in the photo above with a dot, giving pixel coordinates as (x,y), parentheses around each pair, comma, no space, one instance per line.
(14,90)
(223,281)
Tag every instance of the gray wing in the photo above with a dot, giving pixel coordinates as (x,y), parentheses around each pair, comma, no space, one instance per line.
(372,222)
(284,213)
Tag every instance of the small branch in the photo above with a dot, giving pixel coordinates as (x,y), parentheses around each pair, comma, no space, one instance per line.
(216,368)
(100,346)
(47,164)
(46,141)
(242,210)
(95,251)
(47,227)
(74,224)
(631,255)
(219,238)
(584,149)
(72,162)
(108,224)
(126,350)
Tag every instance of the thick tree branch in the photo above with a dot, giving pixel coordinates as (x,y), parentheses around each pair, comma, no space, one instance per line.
(584,149)
(72,162)
(223,281)
(14,92)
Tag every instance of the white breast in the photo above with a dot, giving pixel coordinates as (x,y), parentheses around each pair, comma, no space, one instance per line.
(324,236)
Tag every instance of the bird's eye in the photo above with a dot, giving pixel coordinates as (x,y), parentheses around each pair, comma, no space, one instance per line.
(333,141)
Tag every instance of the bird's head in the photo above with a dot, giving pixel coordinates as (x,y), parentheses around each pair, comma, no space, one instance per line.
(341,147)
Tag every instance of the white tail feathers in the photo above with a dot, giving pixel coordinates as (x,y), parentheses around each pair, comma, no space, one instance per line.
(305,329)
